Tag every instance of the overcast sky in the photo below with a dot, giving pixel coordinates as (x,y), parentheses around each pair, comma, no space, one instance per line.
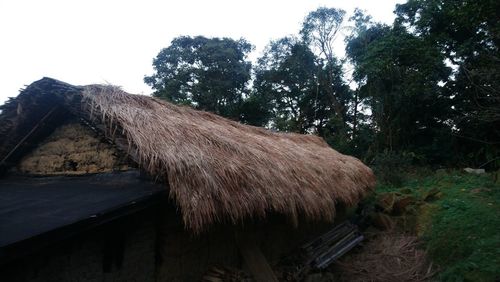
(104,41)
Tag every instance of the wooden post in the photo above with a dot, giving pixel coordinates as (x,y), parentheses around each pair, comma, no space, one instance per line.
(254,259)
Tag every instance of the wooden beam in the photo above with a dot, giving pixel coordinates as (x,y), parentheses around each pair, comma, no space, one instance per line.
(254,259)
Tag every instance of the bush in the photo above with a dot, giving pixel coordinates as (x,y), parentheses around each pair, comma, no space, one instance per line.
(390,167)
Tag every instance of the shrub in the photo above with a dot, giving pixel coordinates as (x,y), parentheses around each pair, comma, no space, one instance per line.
(390,167)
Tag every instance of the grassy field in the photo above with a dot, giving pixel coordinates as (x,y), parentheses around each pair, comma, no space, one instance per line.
(457,216)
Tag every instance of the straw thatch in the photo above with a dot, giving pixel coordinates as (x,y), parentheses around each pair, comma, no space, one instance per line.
(219,169)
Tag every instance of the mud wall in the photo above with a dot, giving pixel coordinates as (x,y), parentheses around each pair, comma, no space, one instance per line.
(187,257)
(72,149)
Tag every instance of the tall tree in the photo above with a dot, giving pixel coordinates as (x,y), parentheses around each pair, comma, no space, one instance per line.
(400,75)
(468,33)
(287,78)
(320,29)
(207,73)
(292,80)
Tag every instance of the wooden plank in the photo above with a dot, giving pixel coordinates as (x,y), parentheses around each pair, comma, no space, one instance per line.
(254,259)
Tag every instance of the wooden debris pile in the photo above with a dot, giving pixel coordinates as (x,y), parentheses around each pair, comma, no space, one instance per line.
(309,259)
(330,246)
(319,253)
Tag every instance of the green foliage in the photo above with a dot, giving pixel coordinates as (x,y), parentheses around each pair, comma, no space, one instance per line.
(256,110)
(462,233)
(398,76)
(405,97)
(319,31)
(207,73)
(390,167)
(290,80)
(287,76)
(464,238)
(468,34)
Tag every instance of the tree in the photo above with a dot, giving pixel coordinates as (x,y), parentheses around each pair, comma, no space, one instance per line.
(467,33)
(361,23)
(319,30)
(286,78)
(399,75)
(207,73)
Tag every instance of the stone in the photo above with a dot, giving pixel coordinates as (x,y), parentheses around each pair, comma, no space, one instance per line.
(475,170)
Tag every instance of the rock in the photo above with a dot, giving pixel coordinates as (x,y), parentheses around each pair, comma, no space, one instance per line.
(475,170)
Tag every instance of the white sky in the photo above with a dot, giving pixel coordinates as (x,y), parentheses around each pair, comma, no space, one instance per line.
(107,41)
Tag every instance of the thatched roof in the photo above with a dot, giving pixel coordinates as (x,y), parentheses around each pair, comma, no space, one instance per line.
(217,169)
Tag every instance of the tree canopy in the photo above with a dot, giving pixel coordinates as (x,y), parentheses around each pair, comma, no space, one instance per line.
(207,73)
(399,76)
(425,86)
(468,34)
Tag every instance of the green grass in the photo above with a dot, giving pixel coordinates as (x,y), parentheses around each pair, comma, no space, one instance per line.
(462,229)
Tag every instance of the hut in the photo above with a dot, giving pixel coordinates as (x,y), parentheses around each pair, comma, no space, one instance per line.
(97,184)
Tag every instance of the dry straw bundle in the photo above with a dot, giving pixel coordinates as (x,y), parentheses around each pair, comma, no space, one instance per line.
(388,257)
